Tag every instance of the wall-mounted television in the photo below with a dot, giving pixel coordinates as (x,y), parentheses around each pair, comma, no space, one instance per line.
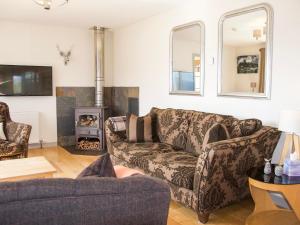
(18,80)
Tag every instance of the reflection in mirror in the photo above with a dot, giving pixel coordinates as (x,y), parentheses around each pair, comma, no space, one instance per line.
(187,59)
(245,62)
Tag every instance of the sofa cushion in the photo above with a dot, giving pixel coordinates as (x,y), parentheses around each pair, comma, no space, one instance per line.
(241,128)
(200,124)
(8,148)
(177,167)
(133,153)
(159,159)
(172,126)
(139,129)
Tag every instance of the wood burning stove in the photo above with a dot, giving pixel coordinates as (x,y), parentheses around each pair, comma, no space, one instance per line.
(89,121)
(89,128)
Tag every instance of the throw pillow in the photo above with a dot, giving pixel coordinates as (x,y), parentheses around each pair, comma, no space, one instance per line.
(122,171)
(118,123)
(139,129)
(102,167)
(217,132)
(241,128)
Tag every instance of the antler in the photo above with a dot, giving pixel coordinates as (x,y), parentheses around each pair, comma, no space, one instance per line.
(65,55)
(60,51)
(70,51)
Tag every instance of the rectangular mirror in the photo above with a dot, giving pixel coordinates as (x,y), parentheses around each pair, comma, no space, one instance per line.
(187,59)
(245,49)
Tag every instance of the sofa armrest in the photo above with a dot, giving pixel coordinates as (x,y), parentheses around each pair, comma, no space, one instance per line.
(221,171)
(18,133)
(111,135)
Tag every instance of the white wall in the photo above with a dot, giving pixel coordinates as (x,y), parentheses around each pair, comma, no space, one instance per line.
(183,52)
(29,44)
(141,58)
(229,69)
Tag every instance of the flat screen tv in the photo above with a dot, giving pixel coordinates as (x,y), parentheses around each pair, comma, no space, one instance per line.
(25,80)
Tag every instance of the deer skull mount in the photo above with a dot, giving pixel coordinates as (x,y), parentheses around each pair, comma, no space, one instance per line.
(66,55)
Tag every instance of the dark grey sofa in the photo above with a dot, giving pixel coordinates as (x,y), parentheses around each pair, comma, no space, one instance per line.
(136,200)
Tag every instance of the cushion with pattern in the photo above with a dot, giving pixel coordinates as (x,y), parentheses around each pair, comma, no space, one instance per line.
(241,128)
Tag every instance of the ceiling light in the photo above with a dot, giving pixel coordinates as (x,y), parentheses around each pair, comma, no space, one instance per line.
(257,34)
(48,4)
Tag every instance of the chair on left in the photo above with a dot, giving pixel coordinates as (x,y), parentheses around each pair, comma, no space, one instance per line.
(17,136)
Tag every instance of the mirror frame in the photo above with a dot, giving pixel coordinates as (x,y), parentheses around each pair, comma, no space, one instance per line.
(202,59)
(269,50)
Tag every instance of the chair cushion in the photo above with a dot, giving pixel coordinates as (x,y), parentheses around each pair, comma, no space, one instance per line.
(177,167)
(172,126)
(8,148)
(241,128)
(201,122)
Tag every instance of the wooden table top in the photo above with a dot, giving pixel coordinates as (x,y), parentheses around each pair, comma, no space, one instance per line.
(26,168)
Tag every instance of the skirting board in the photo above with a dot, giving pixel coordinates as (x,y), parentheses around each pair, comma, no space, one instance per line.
(45,145)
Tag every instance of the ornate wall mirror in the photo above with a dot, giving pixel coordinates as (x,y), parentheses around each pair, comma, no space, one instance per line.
(245,50)
(187,59)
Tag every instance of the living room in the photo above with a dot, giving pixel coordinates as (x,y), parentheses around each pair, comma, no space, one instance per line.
(194,80)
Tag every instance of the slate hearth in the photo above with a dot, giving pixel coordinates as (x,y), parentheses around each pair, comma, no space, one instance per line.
(72,149)
(120,100)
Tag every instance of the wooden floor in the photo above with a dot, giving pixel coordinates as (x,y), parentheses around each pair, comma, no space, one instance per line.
(69,165)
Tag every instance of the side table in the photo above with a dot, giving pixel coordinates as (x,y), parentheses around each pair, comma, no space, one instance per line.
(265,189)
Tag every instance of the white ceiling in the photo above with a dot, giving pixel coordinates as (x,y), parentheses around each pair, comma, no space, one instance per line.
(86,13)
(238,30)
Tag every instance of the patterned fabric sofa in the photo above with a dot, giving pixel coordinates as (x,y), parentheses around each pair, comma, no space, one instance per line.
(17,135)
(202,177)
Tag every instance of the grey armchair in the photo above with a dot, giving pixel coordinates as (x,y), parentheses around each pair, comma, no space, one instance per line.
(135,200)
(17,134)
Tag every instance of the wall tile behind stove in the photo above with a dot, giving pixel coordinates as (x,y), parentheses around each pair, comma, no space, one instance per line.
(85,96)
(122,100)
(66,100)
